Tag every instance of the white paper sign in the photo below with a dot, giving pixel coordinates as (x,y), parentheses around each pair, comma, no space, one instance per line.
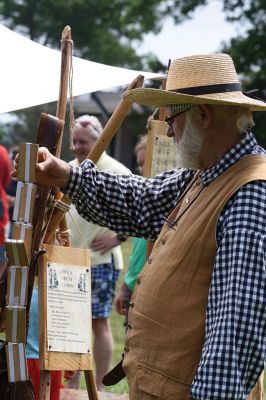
(68,308)
(164,155)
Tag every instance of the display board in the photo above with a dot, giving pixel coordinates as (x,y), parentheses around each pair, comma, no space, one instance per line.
(65,308)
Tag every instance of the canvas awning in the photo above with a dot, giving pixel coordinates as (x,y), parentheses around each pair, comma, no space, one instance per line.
(29,73)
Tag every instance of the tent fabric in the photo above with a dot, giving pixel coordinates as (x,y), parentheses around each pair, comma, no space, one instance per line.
(30,73)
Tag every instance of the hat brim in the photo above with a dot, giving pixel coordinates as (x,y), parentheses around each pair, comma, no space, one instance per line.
(159,98)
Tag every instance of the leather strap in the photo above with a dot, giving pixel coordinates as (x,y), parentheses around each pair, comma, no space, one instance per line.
(208,89)
(115,375)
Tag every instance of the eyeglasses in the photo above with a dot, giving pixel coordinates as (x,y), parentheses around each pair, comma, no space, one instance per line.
(170,120)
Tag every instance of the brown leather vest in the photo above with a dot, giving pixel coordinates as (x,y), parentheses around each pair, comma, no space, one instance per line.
(167,317)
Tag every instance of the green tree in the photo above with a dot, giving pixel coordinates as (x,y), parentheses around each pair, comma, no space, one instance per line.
(104,31)
(248,48)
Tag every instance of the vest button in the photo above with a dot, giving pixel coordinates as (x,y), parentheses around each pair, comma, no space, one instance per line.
(163,241)
(187,200)
(126,349)
(129,325)
(149,260)
(131,304)
(138,280)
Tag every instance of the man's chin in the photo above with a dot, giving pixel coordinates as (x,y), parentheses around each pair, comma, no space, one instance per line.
(81,159)
(186,162)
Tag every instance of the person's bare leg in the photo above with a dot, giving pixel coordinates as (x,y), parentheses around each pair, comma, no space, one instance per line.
(103,348)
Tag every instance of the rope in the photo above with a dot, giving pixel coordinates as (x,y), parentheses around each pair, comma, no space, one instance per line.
(79,232)
(62,236)
(151,117)
(53,204)
(71,109)
(61,206)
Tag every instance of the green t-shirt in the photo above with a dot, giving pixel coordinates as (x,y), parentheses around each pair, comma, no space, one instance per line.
(137,260)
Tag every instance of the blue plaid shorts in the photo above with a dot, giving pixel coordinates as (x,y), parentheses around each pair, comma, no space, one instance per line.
(103,284)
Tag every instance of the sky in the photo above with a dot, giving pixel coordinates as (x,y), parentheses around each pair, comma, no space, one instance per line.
(202,34)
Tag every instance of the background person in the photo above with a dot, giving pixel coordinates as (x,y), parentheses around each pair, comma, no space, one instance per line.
(107,260)
(138,254)
(12,188)
(4,182)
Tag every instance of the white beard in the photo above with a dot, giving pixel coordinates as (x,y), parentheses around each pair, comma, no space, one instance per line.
(189,146)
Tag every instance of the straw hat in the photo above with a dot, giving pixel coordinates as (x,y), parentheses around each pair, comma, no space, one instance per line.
(199,79)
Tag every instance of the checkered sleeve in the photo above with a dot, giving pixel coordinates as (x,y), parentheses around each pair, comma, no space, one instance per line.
(234,350)
(127,204)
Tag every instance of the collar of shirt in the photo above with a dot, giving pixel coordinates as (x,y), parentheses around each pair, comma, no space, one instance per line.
(246,146)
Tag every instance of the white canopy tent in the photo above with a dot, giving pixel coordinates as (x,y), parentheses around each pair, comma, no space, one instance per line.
(29,73)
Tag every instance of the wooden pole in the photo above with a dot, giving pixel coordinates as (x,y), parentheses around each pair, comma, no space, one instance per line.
(66,54)
(45,385)
(114,123)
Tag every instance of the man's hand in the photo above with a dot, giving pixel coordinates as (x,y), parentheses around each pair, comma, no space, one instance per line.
(50,170)
(120,304)
(104,243)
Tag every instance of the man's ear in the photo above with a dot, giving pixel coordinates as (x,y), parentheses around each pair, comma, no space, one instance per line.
(205,115)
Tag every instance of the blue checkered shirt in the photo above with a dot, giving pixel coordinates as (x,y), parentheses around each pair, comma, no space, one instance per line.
(233,354)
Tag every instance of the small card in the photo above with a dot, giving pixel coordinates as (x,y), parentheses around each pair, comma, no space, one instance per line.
(27,162)
(16,362)
(16,324)
(22,231)
(17,286)
(24,203)
(16,252)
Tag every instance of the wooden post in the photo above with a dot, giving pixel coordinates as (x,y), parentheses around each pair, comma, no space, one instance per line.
(45,385)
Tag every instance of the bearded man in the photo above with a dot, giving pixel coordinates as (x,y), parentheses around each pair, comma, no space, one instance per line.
(197,313)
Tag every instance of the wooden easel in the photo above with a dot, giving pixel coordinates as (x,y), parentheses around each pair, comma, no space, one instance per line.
(53,360)
(58,220)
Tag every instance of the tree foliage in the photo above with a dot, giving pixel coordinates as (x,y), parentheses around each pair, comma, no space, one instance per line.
(104,31)
(110,31)
(248,48)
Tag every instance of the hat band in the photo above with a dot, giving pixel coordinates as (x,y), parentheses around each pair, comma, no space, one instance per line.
(209,89)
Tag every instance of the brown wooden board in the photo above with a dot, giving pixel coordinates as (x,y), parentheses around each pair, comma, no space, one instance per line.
(57,360)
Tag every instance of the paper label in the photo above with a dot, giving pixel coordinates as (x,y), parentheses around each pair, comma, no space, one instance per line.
(68,308)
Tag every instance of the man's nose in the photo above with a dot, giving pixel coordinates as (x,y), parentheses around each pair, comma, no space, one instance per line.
(76,145)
